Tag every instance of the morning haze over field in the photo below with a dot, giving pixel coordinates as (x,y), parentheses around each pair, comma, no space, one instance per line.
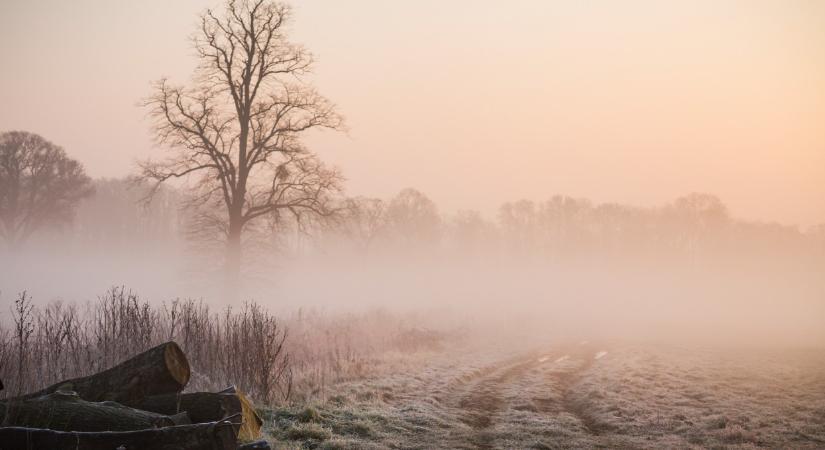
(464,224)
(603,100)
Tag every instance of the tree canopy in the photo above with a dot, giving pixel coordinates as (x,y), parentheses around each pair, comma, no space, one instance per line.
(39,185)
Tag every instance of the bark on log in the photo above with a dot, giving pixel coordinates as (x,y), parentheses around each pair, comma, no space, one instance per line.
(160,370)
(204,436)
(65,411)
(201,406)
(209,407)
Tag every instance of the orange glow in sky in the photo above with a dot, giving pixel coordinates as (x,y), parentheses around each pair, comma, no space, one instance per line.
(478,102)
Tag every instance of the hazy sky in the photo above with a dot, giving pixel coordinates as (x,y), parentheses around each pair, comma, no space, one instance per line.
(477,102)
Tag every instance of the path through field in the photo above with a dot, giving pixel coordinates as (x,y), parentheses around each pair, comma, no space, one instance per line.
(574,395)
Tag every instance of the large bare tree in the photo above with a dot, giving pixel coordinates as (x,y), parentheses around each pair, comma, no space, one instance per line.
(39,185)
(235,133)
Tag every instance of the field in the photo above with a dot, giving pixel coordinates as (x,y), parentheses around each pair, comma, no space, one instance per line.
(380,380)
(569,395)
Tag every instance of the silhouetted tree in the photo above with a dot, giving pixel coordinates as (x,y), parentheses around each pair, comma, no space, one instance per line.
(701,210)
(413,217)
(565,223)
(471,233)
(519,223)
(39,185)
(700,218)
(621,228)
(363,220)
(237,130)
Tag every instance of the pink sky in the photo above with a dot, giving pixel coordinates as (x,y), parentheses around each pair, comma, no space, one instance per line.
(478,102)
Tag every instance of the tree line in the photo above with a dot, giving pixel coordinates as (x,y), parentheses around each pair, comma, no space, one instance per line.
(234,142)
(111,215)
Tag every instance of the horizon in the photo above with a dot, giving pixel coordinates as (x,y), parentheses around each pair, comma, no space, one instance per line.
(383,224)
(727,99)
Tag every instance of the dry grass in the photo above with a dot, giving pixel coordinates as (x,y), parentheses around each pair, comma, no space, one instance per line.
(632,397)
(710,398)
(276,361)
(373,381)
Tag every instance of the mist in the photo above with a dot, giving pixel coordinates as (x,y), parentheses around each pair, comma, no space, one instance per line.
(685,271)
(539,224)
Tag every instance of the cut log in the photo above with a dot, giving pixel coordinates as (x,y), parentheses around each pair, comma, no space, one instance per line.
(204,436)
(201,406)
(160,370)
(252,422)
(209,407)
(65,411)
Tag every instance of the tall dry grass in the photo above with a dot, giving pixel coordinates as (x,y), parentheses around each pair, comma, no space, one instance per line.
(274,360)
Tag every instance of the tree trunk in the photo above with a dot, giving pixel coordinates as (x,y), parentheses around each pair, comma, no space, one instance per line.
(65,411)
(209,407)
(160,370)
(232,266)
(204,436)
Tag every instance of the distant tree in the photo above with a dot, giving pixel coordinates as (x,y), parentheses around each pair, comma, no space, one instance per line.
(519,223)
(622,228)
(701,210)
(115,217)
(39,185)
(236,132)
(471,233)
(565,223)
(700,219)
(413,217)
(363,220)
(519,215)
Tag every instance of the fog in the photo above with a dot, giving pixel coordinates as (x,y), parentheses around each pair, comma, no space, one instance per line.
(397,224)
(634,103)
(526,168)
(562,268)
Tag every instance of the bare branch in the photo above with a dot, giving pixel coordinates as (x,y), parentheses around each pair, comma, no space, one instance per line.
(236,132)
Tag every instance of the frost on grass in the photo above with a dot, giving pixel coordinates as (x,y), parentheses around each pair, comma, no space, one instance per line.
(564,397)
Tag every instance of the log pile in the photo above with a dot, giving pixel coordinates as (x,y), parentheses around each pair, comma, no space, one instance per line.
(137,404)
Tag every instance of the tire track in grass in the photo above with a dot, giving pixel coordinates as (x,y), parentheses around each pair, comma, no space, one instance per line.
(482,405)
(564,382)
(481,400)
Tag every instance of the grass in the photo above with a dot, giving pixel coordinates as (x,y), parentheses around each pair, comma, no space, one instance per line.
(636,397)
(306,432)
(247,346)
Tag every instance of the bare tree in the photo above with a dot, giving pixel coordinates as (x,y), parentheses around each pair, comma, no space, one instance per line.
(519,224)
(364,220)
(236,131)
(413,218)
(39,185)
(471,233)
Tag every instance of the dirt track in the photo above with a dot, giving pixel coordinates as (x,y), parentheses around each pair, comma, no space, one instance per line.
(581,395)
(495,405)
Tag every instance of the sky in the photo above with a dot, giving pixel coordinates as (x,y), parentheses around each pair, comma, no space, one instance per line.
(476,102)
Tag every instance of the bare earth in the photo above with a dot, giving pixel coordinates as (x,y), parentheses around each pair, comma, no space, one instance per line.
(573,395)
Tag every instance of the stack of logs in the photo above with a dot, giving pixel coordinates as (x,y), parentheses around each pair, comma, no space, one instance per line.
(135,405)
